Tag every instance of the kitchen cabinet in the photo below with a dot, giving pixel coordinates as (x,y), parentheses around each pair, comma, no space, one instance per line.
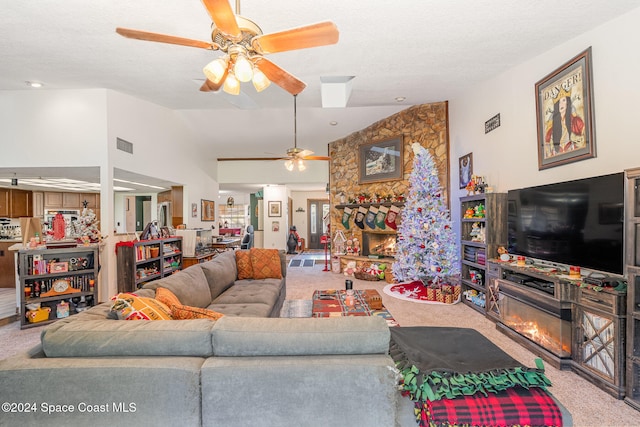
(71,200)
(15,203)
(7,265)
(52,199)
(4,202)
(38,204)
(92,199)
(21,203)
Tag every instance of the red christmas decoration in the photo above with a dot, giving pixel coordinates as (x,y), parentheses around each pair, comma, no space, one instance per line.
(58,227)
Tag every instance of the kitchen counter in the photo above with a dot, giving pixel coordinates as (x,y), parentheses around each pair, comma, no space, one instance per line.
(7,263)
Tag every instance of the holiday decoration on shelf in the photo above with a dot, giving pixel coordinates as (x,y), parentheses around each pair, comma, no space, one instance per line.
(59,227)
(381,216)
(426,248)
(359,220)
(370,218)
(86,226)
(345,217)
(390,220)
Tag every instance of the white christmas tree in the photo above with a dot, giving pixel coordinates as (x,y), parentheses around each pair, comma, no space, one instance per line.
(426,248)
(87,225)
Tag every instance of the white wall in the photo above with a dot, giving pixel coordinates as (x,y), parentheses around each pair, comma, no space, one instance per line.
(300,219)
(275,239)
(508,157)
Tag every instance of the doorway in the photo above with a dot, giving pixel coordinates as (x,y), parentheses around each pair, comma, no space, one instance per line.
(317,210)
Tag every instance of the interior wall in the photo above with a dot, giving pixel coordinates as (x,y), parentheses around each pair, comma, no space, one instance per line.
(275,238)
(508,156)
(300,219)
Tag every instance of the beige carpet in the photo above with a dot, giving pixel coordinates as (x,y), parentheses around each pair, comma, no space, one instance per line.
(588,405)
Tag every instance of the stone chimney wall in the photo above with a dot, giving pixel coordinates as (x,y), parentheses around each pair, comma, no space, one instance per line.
(426,124)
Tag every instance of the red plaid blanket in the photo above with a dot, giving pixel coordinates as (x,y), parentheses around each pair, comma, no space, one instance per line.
(515,406)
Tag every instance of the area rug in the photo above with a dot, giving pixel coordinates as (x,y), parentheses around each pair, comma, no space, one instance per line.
(302,263)
(413,291)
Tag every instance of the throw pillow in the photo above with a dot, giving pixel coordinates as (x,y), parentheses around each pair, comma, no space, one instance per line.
(243,262)
(265,263)
(184,312)
(128,306)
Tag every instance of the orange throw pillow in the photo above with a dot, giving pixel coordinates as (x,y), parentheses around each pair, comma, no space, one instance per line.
(184,312)
(243,263)
(265,263)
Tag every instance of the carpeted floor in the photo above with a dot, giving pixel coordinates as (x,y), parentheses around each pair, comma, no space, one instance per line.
(588,405)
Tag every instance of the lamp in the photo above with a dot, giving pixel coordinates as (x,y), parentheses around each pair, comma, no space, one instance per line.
(260,81)
(216,69)
(243,69)
(289,165)
(231,85)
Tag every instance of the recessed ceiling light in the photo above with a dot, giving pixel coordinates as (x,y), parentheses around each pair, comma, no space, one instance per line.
(333,123)
(400,98)
(34,84)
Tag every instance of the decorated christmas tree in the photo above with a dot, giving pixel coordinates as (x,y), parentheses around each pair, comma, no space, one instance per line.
(86,226)
(426,248)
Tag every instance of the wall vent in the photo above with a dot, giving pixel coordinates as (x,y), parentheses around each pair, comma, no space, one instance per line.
(124,145)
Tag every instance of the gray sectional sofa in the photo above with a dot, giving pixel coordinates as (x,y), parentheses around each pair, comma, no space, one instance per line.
(245,369)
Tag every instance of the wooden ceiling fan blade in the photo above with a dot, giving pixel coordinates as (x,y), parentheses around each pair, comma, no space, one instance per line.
(320,34)
(243,159)
(304,153)
(279,76)
(163,38)
(316,158)
(223,17)
(209,86)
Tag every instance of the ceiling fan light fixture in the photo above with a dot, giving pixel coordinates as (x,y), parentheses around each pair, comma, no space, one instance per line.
(243,69)
(216,69)
(231,85)
(301,165)
(289,165)
(260,81)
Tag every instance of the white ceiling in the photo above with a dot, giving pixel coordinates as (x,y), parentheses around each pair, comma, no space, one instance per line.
(423,50)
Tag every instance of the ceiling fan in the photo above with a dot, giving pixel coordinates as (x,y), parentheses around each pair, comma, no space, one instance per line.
(245,48)
(295,156)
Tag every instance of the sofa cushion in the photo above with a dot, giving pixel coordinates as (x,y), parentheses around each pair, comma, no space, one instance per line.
(251,291)
(265,263)
(243,262)
(184,312)
(256,309)
(129,306)
(189,285)
(96,338)
(220,272)
(237,336)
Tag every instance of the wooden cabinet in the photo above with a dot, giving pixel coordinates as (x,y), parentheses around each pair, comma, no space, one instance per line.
(599,327)
(92,200)
(632,273)
(480,237)
(71,200)
(7,266)
(38,204)
(53,278)
(147,260)
(15,203)
(21,203)
(4,202)
(52,199)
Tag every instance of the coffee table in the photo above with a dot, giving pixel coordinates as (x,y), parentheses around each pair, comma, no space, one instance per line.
(331,303)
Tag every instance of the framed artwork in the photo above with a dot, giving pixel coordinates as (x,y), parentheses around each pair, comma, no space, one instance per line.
(564,113)
(164,232)
(207,210)
(275,226)
(275,209)
(381,161)
(466,169)
(194,210)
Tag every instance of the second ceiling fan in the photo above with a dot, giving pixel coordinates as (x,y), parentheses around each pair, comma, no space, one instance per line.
(295,156)
(245,48)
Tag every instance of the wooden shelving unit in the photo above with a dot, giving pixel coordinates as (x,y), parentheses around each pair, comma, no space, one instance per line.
(44,271)
(147,260)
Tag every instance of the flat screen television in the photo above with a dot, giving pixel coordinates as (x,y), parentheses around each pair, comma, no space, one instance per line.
(576,222)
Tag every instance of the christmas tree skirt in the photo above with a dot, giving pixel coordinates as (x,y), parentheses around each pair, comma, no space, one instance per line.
(417,292)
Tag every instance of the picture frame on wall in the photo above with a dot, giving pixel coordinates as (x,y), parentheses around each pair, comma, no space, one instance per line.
(275,209)
(381,161)
(466,169)
(565,117)
(207,210)
(194,210)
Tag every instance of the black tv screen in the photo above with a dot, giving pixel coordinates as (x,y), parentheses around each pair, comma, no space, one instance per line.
(576,222)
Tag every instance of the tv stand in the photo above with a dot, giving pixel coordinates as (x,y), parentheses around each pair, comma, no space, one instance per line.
(575,325)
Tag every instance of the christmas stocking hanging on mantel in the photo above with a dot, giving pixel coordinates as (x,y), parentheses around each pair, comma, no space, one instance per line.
(345,217)
(370,219)
(380,217)
(359,221)
(391,217)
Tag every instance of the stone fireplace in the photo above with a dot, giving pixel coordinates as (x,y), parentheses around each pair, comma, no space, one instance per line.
(379,243)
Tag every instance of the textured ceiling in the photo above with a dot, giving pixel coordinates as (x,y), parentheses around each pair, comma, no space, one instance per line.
(424,50)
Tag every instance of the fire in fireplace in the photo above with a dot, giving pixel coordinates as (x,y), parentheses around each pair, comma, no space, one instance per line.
(377,243)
